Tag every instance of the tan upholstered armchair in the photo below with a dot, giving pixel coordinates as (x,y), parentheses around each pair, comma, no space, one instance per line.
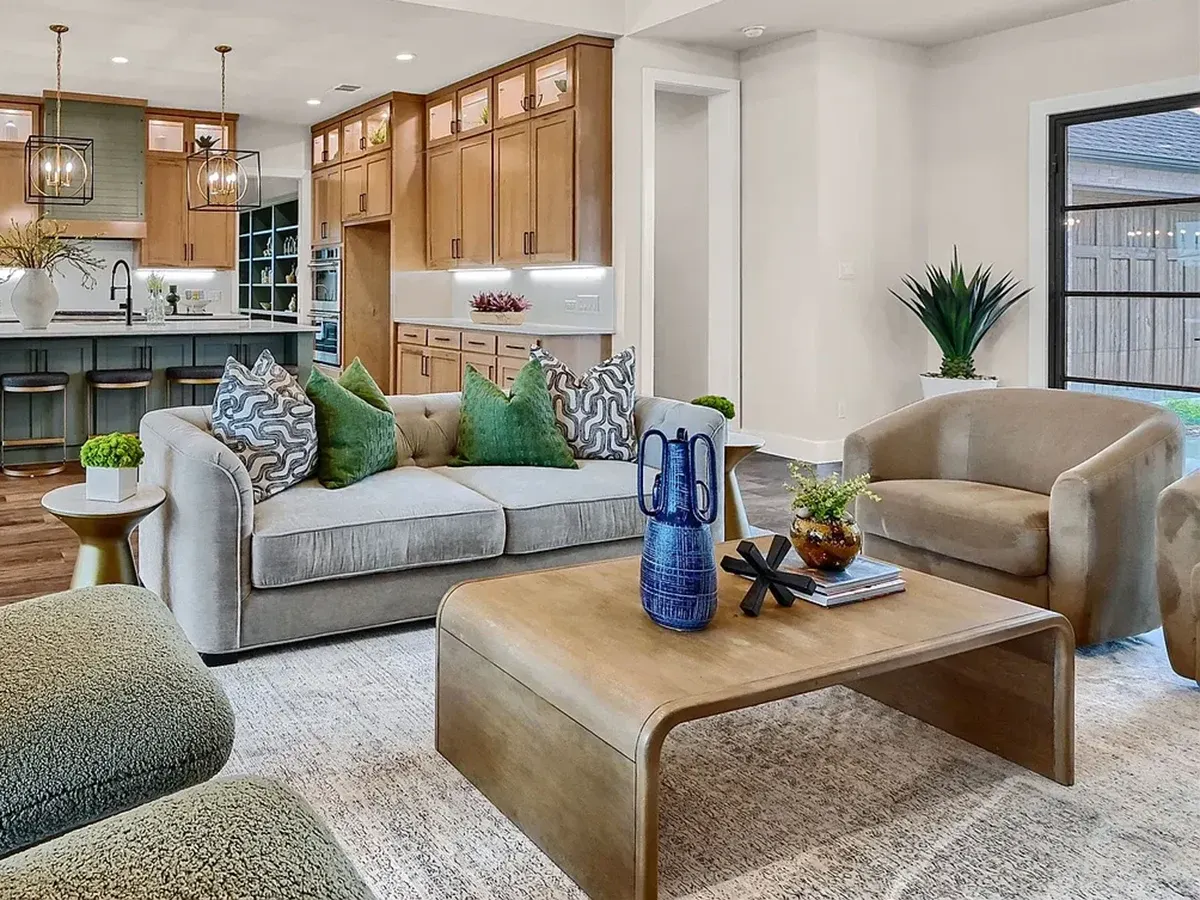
(1179,572)
(1039,495)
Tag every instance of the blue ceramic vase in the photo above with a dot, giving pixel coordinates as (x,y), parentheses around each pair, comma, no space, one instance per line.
(679,569)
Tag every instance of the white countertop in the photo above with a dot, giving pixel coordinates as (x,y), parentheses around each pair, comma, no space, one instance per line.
(532,328)
(67,329)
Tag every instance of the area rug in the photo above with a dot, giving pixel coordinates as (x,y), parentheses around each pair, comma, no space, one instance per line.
(828,796)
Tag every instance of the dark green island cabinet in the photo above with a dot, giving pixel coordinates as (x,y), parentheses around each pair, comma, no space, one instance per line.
(76,348)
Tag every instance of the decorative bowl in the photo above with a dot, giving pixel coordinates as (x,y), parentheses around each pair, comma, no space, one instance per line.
(826,545)
(497,318)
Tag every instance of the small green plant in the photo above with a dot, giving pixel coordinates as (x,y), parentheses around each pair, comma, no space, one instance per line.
(723,405)
(112,451)
(824,499)
(958,313)
(1188,410)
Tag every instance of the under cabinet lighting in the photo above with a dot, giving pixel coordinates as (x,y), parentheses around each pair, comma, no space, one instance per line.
(482,275)
(566,273)
(172,276)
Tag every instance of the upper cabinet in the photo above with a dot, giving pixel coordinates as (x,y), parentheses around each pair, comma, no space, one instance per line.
(441,119)
(16,124)
(474,109)
(327,146)
(179,133)
(553,82)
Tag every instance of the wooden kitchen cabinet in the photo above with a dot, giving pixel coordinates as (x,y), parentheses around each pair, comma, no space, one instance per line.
(444,368)
(17,123)
(410,370)
(441,119)
(475,201)
(441,206)
(367,188)
(514,199)
(176,236)
(484,365)
(553,82)
(327,146)
(473,105)
(511,94)
(327,206)
(552,194)
(173,133)
(507,371)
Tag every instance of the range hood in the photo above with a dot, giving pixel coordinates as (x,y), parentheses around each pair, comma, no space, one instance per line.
(118,207)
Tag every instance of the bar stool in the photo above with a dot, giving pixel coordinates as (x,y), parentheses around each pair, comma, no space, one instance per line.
(33,383)
(116,380)
(193,376)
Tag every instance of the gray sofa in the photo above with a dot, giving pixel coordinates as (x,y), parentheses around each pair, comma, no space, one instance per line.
(311,562)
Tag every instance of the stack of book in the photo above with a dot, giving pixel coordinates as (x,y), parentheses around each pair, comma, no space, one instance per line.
(863,579)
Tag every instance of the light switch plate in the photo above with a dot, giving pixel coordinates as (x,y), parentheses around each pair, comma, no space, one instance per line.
(846,271)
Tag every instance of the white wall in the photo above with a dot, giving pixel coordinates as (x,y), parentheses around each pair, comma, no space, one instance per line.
(631,56)
(681,214)
(979,109)
(833,147)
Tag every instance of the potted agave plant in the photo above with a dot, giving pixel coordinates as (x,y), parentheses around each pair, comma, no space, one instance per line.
(824,532)
(111,461)
(958,313)
(499,308)
(35,252)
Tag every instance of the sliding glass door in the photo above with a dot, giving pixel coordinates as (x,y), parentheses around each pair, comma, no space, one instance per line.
(1125,255)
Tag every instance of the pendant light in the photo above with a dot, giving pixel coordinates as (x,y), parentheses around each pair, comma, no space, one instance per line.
(221,179)
(58,169)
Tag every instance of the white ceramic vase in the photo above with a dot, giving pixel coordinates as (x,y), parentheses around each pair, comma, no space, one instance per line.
(111,485)
(936,386)
(35,299)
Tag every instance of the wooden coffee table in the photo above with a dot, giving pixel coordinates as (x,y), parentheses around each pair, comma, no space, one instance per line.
(555,692)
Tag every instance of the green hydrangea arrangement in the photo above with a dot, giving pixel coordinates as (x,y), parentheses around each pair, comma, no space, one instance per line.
(723,405)
(824,499)
(112,451)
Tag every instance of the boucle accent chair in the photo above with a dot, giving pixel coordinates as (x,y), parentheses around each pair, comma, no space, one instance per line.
(311,562)
(104,705)
(244,839)
(1044,496)
(1179,572)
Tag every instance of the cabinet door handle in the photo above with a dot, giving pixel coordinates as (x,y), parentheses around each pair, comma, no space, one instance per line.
(525,103)
(324,156)
(362,143)
(362,202)
(525,243)
(192,252)
(532,243)
(185,251)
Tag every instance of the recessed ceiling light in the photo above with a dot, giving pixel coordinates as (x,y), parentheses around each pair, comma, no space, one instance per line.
(754,31)
(314,102)
(406,57)
(120,60)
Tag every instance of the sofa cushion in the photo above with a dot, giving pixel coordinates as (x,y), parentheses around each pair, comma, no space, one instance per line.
(398,519)
(545,509)
(985,524)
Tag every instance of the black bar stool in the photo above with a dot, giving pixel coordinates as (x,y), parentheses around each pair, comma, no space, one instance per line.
(116,380)
(192,376)
(33,383)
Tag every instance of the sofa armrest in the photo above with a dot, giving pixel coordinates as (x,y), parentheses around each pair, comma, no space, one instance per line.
(195,552)
(901,445)
(1178,552)
(670,415)
(1102,528)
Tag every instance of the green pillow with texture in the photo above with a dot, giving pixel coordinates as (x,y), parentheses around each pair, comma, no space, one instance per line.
(514,429)
(358,381)
(354,438)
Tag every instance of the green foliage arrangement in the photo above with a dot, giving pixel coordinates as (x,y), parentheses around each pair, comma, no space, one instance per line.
(723,405)
(1188,410)
(112,451)
(824,499)
(958,312)
(41,245)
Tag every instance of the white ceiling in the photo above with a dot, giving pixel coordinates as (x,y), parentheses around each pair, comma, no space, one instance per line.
(922,22)
(284,51)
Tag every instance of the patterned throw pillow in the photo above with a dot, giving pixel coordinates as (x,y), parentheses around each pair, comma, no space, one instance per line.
(264,417)
(594,412)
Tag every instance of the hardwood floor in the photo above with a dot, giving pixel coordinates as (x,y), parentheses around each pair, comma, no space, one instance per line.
(37,552)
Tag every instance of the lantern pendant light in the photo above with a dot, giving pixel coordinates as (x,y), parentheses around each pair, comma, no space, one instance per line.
(221,179)
(58,169)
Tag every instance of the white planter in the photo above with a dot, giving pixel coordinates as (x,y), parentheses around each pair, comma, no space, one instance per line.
(934,386)
(497,318)
(111,485)
(35,299)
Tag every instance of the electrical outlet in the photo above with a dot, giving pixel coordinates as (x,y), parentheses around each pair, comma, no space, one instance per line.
(846,271)
(841,409)
(587,303)
(570,304)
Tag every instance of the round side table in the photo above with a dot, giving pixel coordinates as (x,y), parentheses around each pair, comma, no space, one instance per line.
(103,530)
(738,445)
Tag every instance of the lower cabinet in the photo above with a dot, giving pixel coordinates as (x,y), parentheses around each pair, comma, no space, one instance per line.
(428,361)
(427,370)
(484,365)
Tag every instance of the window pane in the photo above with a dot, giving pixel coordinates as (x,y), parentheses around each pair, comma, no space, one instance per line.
(1144,339)
(1154,248)
(510,96)
(1135,158)
(473,111)
(551,81)
(440,119)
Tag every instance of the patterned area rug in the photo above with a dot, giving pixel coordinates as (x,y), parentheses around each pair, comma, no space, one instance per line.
(828,796)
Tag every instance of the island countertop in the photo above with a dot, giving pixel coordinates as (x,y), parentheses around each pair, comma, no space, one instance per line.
(100,329)
(530,328)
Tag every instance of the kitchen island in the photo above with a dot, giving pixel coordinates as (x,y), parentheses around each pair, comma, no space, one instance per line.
(78,346)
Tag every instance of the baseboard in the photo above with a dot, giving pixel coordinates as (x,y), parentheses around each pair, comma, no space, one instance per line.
(802,449)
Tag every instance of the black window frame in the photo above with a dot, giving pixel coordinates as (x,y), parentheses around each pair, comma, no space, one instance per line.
(1057,292)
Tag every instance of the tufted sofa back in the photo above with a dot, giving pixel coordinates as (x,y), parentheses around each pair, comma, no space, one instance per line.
(426,429)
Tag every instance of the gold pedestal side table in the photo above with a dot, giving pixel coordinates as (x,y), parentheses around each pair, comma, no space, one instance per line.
(738,445)
(103,529)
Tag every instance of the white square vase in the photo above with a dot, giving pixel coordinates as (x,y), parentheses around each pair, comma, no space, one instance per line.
(111,485)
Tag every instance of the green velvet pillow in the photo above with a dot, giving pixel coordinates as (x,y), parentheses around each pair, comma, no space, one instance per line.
(515,429)
(355,438)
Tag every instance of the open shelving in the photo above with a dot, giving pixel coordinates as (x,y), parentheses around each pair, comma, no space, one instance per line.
(264,289)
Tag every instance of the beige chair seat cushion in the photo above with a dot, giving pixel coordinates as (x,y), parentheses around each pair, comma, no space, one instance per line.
(985,524)
(400,519)
(545,509)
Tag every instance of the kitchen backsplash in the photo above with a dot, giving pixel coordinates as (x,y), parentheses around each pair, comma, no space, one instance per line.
(568,295)
(73,296)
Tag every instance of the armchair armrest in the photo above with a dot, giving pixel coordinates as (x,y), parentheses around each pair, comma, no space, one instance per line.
(1102,527)
(668,416)
(1178,551)
(901,445)
(195,552)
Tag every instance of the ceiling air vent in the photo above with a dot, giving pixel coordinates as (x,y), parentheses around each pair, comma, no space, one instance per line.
(348,88)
